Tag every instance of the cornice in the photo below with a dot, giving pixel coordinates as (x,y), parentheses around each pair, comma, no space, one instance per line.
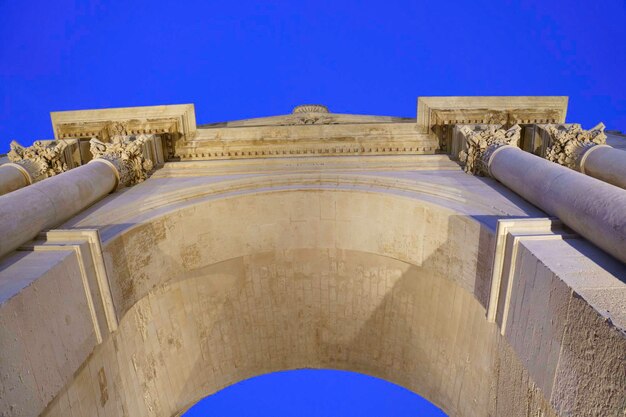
(322,140)
(176,121)
(436,115)
(433,111)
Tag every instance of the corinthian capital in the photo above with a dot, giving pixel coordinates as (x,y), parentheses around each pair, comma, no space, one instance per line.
(41,160)
(481,141)
(126,154)
(569,143)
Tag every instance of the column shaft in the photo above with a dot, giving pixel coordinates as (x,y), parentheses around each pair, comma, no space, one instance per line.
(26,212)
(589,206)
(605,163)
(12,178)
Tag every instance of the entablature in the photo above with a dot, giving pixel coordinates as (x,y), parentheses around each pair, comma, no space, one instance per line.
(438,115)
(298,140)
(172,122)
(310,130)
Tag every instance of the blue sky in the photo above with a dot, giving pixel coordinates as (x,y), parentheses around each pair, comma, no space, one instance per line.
(314,393)
(245,59)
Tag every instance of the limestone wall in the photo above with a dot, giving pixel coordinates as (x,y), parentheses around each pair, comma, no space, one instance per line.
(221,287)
(48,328)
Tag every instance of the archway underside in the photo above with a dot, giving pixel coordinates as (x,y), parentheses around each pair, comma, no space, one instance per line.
(304,308)
(221,291)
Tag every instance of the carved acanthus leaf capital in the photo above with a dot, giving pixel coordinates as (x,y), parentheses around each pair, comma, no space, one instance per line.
(42,160)
(482,142)
(126,154)
(569,143)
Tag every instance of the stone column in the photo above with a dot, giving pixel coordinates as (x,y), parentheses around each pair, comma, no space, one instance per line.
(26,212)
(32,164)
(585,151)
(13,177)
(593,208)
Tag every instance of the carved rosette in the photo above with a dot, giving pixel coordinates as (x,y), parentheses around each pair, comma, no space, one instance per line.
(482,143)
(310,108)
(126,154)
(41,160)
(310,114)
(569,143)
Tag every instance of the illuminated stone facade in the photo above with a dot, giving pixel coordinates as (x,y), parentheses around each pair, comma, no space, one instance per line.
(170,259)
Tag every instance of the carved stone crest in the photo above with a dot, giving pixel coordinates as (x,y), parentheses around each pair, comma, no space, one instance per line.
(482,143)
(116,129)
(126,154)
(496,117)
(310,114)
(569,143)
(312,120)
(41,160)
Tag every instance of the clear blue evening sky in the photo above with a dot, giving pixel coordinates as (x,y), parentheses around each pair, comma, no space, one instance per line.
(314,393)
(243,59)
(237,59)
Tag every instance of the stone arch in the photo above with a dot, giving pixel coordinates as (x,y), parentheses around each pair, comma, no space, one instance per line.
(215,290)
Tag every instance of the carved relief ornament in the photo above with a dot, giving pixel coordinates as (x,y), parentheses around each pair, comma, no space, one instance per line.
(125,153)
(117,129)
(482,142)
(569,143)
(41,160)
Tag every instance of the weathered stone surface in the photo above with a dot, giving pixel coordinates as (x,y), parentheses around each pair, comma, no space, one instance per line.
(26,212)
(569,143)
(589,206)
(41,160)
(13,177)
(481,142)
(388,262)
(126,154)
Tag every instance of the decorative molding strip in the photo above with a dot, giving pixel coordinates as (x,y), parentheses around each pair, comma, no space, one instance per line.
(509,234)
(86,273)
(92,237)
(255,152)
(86,244)
(292,141)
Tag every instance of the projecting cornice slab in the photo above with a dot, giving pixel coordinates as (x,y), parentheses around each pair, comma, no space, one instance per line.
(432,111)
(174,122)
(436,114)
(306,140)
(104,123)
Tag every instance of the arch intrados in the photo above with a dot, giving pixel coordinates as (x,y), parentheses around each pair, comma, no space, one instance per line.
(340,348)
(402,217)
(450,261)
(446,197)
(383,232)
